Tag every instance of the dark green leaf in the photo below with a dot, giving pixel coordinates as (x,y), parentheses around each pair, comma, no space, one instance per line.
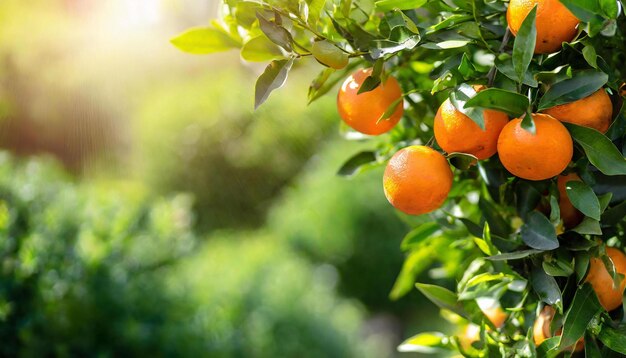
(581,264)
(276,33)
(546,287)
(391,109)
(614,338)
(583,198)
(357,163)
(589,53)
(591,347)
(548,348)
(498,225)
(582,310)
(272,78)
(504,64)
(462,161)
(528,123)
(581,85)
(204,40)
(588,226)
(501,100)
(524,45)
(615,214)
(538,232)
(600,151)
(370,83)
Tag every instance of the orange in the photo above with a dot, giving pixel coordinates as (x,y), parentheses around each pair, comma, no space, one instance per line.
(456,132)
(610,297)
(541,328)
(570,215)
(363,111)
(495,315)
(417,180)
(594,111)
(555,23)
(538,156)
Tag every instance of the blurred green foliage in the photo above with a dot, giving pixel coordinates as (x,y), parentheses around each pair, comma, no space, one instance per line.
(201,136)
(345,222)
(90,269)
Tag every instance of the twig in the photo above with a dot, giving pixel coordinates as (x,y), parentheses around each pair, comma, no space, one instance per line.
(491,76)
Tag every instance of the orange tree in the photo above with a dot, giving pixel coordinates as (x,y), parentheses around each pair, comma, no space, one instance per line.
(502,129)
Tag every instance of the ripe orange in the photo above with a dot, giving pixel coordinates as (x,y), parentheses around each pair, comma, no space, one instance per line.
(456,132)
(417,180)
(610,297)
(363,111)
(555,23)
(537,156)
(570,215)
(594,111)
(541,328)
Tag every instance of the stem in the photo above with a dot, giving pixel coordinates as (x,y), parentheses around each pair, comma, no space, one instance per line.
(491,76)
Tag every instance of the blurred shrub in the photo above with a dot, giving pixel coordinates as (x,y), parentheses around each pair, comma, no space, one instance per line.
(345,222)
(265,302)
(200,135)
(105,270)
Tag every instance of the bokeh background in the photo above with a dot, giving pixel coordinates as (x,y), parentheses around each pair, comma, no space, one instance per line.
(147,210)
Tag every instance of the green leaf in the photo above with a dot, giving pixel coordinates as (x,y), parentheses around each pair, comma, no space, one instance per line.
(417,261)
(528,123)
(546,287)
(497,224)
(588,226)
(582,310)
(585,10)
(614,338)
(504,64)
(548,348)
(615,214)
(591,347)
(419,234)
(440,296)
(459,98)
(538,233)
(583,198)
(462,161)
(524,45)
(389,5)
(272,78)
(581,85)
(204,40)
(358,163)
(600,151)
(329,55)
(370,84)
(276,33)
(260,49)
(391,109)
(516,255)
(589,53)
(511,103)
(427,342)
(610,8)
(315,10)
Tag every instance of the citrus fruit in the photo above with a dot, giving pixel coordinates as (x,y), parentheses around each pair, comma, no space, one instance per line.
(554,22)
(541,328)
(538,156)
(363,111)
(594,111)
(610,297)
(496,315)
(417,180)
(570,215)
(456,132)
